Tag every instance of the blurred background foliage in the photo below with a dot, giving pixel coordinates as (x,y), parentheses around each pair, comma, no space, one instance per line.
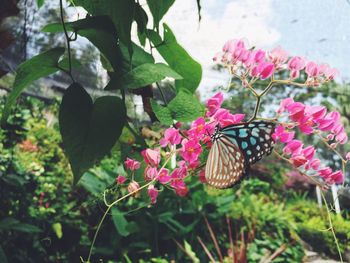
(270,216)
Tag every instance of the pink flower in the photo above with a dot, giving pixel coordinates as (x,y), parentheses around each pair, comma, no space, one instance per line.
(317,112)
(171,136)
(313,164)
(296,63)
(298,160)
(151,157)
(263,70)
(312,69)
(342,138)
(197,128)
(134,187)
(284,104)
(278,56)
(180,187)
(120,179)
(150,173)
(190,150)
(259,56)
(131,164)
(180,172)
(296,111)
(324,172)
(347,156)
(267,71)
(282,135)
(309,152)
(152,193)
(305,125)
(214,103)
(335,177)
(163,176)
(325,124)
(229,119)
(231,45)
(331,73)
(293,147)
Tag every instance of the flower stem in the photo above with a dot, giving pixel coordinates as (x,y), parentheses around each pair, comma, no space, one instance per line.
(109,206)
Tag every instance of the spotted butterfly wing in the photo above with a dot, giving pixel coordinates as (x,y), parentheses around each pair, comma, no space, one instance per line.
(235,148)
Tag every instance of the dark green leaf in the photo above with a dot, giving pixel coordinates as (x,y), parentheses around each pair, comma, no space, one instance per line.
(120,222)
(178,59)
(185,107)
(144,75)
(10,223)
(141,18)
(100,31)
(163,114)
(122,15)
(158,9)
(35,68)
(89,130)
(139,57)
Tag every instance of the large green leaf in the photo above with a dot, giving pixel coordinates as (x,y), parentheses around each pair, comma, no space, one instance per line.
(37,67)
(185,107)
(158,9)
(142,76)
(121,13)
(163,114)
(89,130)
(99,30)
(178,59)
(139,57)
(120,222)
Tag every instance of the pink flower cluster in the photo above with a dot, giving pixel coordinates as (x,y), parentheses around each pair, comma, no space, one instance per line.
(309,119)
(258,63)
(314,119)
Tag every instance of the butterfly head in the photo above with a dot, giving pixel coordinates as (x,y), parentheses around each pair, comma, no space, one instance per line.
(216,133)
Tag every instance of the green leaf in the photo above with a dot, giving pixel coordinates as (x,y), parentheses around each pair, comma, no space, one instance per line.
(190,252)
(35,68)
(40,3)
(158,9)
(10,223)
(139,57)
(178,59)
(122,15)
(57,228)
(89,130)
(120,223)
(143,75)
(141,18)
(185,107)
(64,63)
(163,114)
(99,30)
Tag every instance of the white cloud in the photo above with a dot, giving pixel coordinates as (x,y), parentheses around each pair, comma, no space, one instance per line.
(249,19)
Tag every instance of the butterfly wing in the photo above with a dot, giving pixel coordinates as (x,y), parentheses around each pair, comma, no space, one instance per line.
(225,164)
(254,139)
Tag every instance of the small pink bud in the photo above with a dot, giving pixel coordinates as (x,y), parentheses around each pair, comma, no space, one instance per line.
(330,137)
(120,179)
(333,145)
(152,193)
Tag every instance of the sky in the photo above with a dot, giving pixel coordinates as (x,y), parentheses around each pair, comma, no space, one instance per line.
(316,29)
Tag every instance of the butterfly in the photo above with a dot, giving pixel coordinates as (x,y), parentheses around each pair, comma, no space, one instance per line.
(235,148)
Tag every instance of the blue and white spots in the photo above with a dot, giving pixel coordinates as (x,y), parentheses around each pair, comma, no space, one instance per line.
(252,140)
(244,145)
(243,133)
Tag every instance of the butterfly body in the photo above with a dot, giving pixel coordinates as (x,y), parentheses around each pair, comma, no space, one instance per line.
(235,148)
